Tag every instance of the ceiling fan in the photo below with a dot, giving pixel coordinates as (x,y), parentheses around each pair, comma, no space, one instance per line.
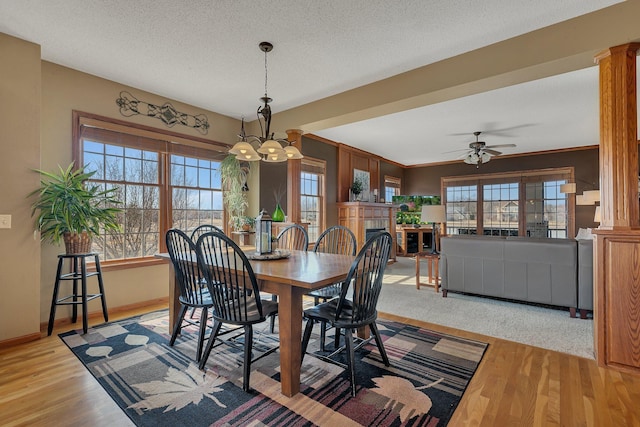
(479,152)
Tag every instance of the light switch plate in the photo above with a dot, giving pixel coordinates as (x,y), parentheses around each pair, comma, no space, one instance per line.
(5,221)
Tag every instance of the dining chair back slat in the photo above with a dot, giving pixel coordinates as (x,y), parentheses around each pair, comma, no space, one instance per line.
(230,278)
(364,283)
(294,237)
(204,228)
(234,291)
(194,293)
(182,251)
(337,239)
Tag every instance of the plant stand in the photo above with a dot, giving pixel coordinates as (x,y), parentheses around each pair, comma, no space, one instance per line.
(78,273)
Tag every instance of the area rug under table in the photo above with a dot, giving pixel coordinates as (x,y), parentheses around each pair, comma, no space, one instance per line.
(158,385)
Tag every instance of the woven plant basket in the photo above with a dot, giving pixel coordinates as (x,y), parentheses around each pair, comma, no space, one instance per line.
(75,243)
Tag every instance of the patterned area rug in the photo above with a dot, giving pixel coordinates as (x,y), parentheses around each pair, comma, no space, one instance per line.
(158,385)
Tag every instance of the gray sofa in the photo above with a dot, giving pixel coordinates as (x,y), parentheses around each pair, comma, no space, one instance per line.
(542,271)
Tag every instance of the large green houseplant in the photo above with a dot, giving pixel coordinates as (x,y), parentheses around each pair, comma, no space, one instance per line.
(69,210)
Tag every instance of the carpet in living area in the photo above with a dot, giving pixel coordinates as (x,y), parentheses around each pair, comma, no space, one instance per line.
(538,326)
(156,384)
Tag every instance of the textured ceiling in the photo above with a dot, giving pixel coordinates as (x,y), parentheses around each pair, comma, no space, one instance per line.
(205,53)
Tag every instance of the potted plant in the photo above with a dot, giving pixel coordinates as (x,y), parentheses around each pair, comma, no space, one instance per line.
(244,223)
(69,210)
(357,187)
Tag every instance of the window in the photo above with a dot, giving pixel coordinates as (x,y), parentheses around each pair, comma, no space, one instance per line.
(161,183)
(196,192)
(500,209)
(134,174)
(312,206)
(546,210)
(527,203)
(462,209)
(391,188)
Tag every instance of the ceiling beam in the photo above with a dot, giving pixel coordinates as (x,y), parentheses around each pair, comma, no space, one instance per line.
(567,46)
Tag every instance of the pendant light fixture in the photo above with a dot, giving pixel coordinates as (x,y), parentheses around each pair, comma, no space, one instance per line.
(269,149)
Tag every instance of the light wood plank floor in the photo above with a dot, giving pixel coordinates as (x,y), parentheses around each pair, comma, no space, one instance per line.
(43,384)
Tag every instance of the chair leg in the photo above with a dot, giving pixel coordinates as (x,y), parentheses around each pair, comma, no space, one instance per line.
(248,345)
(178,326)
(212,339)
(323,333)
(336,339)
(204,314)
(305,338)
(274,298)
(348,340)
(376,335)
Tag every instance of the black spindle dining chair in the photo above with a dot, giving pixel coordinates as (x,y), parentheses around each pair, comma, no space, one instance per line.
(363,284)
(229,278)
(334,240)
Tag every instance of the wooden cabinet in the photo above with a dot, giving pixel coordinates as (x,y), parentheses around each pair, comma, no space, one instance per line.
(617,299)
(412,240)
(363,217)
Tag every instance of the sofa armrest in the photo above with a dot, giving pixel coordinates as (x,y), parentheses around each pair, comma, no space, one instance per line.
(585,274)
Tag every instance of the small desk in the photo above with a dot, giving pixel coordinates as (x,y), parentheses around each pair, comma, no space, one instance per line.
(432,261)
(290,279)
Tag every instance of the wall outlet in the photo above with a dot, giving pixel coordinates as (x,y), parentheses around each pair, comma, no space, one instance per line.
(5,221)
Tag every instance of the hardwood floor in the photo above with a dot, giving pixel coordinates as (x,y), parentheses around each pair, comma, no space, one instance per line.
(42,383)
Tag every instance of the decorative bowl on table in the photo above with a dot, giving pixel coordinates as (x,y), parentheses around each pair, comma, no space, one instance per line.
(276,254)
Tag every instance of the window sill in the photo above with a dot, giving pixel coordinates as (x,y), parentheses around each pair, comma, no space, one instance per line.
(115,265)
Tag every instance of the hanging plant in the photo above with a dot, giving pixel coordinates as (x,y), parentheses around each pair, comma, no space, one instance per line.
(234,179)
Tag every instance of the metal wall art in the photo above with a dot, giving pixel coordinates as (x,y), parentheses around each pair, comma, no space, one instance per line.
(131,106)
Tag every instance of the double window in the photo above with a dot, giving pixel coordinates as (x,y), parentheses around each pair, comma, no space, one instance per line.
(162,181)
(525,203)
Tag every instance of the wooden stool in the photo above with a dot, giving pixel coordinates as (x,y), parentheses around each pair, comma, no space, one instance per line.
(433,261)
(78,272)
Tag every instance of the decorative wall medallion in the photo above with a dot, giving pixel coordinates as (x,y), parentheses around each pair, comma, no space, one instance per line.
(131,106)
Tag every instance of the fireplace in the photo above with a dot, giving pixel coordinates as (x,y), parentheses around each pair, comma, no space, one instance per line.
(370,232)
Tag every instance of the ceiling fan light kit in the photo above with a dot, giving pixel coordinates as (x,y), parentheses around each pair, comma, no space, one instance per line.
(270,149)
(479,152)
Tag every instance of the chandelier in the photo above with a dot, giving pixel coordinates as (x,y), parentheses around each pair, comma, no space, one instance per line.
(270,149)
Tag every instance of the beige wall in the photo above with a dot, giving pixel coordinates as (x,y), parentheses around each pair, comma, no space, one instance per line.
(20,92)
(36,103)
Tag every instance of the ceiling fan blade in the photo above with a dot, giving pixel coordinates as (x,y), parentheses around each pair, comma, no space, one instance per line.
(490,129)
(455,151)
(500,145)
(462,156)
(492,152)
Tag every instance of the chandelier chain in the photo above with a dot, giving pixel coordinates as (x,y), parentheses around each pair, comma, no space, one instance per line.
(265,73)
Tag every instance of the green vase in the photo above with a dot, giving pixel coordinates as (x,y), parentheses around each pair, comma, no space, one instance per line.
(278,214)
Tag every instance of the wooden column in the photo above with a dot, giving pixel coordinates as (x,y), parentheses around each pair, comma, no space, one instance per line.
(618,138)
(617,245)
(294,168)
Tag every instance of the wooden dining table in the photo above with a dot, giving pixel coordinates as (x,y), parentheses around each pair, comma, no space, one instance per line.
(289,278)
